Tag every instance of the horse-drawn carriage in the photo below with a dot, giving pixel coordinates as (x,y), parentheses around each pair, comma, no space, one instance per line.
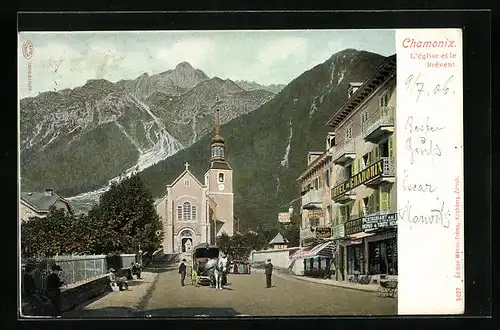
(207,265)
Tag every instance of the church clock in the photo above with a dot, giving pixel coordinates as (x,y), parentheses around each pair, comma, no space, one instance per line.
(221,187)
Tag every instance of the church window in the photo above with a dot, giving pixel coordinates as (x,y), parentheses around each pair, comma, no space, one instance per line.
(186,183)
(221,177)
(187,211)
(193,213)
(179,213)
(186,232)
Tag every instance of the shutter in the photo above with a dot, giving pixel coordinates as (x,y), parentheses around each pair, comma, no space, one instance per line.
(376,201)
(360,208)
(384,199)
(390,142)
(376,154)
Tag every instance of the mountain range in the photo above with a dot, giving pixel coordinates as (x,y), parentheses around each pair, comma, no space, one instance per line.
(115,128)
(267,135)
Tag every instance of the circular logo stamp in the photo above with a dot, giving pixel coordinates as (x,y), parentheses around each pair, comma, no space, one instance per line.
(27,49)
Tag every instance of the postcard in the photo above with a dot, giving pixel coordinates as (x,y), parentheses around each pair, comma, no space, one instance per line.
(240,173)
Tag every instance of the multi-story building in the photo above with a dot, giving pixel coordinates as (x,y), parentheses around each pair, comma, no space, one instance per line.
(316,206)
(363,190)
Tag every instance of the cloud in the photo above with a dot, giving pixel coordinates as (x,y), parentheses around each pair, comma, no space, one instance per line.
(196,51)
(281,49)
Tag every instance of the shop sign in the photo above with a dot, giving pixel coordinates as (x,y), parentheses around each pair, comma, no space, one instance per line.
(338,231)
(284,217)
(353,226)
(371,172)
(379,221)
(315,214)
(323,232)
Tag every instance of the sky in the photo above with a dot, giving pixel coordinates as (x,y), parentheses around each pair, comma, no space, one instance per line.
(68,59)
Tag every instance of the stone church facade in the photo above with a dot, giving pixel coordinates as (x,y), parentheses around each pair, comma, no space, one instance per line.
(194,212)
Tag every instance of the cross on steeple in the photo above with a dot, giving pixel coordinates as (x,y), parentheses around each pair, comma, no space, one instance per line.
(187,166)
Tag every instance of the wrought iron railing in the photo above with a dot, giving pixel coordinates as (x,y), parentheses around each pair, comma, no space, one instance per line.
(312,197)
(383,116)
(346,146)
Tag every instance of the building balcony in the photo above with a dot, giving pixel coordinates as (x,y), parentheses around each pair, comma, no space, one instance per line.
(386,168)
(312,199)
(379,124)
(344,198)
(344,152)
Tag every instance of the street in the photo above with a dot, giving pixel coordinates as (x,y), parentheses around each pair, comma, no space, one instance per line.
(247,295)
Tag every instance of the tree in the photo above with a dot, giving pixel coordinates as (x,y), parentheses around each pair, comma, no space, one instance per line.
(128,211)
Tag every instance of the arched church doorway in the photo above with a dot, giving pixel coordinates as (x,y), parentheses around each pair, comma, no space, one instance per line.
(186,240)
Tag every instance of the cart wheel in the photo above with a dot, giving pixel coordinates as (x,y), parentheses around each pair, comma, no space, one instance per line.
(396,293)
(380,292)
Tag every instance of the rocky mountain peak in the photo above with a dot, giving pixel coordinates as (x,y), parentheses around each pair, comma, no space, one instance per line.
(184,66)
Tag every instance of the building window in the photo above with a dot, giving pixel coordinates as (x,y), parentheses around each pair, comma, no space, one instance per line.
(384,149)
(179,213)
(327,178)
(348,171)
(348,132)
(383,101)
(193,213)
(186,183)
(186,216)
(366,160)
(383,257)
(221,177)
(364,116)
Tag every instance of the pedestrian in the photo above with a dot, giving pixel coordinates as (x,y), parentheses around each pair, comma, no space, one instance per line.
(182,271)
(54,284)
(136,270)
(120,281)
(268,272)
(28,284)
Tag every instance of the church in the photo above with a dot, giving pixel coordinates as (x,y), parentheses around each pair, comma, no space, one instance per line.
(194,212)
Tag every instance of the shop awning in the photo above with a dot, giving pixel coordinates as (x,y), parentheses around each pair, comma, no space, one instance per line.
(359,235)
(320,250)
(299,253)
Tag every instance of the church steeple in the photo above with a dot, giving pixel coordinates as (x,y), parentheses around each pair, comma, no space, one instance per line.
(217,142)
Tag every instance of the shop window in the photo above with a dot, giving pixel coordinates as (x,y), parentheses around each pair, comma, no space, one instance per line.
(355,259)
(383,257)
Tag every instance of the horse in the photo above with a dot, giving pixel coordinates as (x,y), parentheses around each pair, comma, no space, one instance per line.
(219,270)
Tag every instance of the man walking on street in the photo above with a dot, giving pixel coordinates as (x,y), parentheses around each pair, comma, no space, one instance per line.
(182,271)
(268,272)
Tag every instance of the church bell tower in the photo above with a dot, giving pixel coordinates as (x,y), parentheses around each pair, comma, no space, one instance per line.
(219,179)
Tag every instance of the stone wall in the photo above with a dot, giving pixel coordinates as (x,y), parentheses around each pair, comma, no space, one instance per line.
(280,258)
(78,294)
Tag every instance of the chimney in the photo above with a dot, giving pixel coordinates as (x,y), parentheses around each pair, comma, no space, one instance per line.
(353,87)
(49,192)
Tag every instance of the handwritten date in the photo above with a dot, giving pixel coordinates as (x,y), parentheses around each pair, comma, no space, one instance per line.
(417,87)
